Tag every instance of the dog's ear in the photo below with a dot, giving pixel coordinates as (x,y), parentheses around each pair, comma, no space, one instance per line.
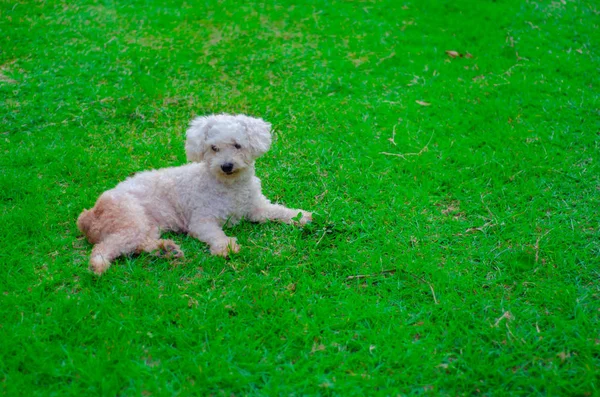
(195,143)
(259,134)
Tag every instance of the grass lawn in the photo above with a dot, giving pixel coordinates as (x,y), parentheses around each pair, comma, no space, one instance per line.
(450,149)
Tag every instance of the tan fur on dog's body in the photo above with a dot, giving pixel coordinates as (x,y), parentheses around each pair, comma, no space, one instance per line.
(197,198)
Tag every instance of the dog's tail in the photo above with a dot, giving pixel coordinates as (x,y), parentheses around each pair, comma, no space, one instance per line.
(85,221)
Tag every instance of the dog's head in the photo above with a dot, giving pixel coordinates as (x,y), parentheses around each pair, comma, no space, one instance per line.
(229,144)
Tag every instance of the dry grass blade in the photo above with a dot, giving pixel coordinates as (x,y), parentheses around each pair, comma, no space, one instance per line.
(506,315)
(404,155)
(5,78)
(425,282)
(361,276)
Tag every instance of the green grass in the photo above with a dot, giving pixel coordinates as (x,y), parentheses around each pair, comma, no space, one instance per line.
(464,261)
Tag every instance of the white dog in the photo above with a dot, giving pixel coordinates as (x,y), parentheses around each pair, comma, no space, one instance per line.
(199,198)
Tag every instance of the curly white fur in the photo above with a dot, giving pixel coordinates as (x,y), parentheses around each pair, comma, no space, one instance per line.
(199,199)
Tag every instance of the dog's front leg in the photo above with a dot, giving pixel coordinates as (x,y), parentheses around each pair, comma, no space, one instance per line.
(210,232)
(275,212)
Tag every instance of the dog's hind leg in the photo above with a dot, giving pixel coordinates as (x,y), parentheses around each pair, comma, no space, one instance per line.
(117,225)
(161,247)
(112,247)
(169,249)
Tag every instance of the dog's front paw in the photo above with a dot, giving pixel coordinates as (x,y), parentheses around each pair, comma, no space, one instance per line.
(225,247)
(303,218)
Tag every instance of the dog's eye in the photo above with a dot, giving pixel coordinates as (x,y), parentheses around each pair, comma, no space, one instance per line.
(237,146)
(214,148)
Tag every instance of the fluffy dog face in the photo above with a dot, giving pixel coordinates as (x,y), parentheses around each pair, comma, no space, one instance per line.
(227,150)
(228,144)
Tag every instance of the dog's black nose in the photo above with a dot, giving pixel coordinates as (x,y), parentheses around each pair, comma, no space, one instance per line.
(227,167)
